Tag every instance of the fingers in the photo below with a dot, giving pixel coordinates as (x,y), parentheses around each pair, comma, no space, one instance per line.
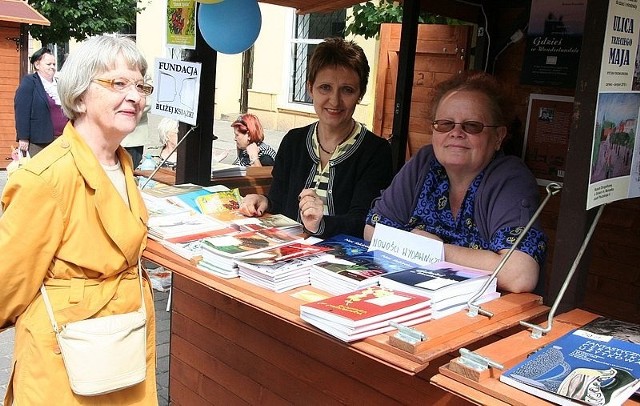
(253,205)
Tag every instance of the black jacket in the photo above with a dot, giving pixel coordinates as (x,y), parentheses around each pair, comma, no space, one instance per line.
(356,178)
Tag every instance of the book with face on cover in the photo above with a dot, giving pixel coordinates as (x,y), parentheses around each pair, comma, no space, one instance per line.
(597,364)
(365,310)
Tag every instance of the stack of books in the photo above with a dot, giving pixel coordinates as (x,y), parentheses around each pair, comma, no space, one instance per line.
(220,254)
(185,227)
(352,266)
(597,364)
(281,269)
(448,285)
(224,170)
(365,312)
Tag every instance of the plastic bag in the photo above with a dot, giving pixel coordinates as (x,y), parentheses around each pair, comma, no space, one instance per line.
(18,161)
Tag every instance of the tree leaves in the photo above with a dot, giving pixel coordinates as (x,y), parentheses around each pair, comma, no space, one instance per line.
(80,19)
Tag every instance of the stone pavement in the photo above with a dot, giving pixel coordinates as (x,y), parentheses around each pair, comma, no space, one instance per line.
(225,142)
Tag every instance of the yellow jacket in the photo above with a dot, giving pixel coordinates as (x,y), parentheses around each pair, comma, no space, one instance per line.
(65,224)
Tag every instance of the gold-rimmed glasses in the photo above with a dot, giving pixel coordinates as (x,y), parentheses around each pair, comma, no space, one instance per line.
(122,84)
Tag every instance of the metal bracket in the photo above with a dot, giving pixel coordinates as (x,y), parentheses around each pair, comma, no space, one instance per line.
(17,41)
(408,334)
(477,361)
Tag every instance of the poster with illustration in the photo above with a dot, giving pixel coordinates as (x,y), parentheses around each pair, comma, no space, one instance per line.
(612,153)
(181,24)
(554,39)
(547,136)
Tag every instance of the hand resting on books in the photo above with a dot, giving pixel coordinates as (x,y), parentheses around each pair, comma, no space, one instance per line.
(254,205)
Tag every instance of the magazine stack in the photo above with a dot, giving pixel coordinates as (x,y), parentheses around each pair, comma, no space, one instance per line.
(352,266)
(365,312)
(449,286)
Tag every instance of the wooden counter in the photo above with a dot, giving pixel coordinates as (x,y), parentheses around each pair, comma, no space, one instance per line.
(486,388)
(257,179)
(233,342)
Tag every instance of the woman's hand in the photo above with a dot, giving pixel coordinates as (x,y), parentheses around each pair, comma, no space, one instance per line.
(254,205)
(254,154)
(23,145)
(311,209)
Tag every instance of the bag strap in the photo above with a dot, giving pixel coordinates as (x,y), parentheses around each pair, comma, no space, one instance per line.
(49,308)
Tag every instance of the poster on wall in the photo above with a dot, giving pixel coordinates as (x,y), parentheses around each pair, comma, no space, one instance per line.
(615,159)
(177,89)
(181,24)
(547,136)
(554,38)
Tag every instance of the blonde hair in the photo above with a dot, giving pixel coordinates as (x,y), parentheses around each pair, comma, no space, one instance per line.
(95,56)
(166,126)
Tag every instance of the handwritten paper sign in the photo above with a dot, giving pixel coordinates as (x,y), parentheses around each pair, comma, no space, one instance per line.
(413,247)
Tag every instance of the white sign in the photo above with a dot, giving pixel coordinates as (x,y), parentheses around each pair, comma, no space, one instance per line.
(177,89)
(410,246)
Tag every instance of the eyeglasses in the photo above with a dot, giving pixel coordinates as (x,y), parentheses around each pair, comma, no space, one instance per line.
(121,84)
(470,127)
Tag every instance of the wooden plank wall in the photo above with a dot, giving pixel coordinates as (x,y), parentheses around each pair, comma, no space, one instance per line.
(441,51)
(225,351)
(9,80)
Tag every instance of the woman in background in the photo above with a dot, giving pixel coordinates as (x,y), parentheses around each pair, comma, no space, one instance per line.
(326,174)
(168,136)
(249,137)
(38,115)
(74,220)
(464,191)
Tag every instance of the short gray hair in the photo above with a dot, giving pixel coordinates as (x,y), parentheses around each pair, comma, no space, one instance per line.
(165,126)
(95,56)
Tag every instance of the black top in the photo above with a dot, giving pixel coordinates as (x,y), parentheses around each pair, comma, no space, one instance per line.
(356,177)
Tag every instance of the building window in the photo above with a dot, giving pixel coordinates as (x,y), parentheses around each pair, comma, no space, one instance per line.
(309,31)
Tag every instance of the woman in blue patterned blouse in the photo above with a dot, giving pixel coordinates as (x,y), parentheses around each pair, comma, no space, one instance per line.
(463,190)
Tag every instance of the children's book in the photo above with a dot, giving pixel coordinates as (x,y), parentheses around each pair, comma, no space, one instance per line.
(597,364)
(222,205)
(189,199)
(364,310)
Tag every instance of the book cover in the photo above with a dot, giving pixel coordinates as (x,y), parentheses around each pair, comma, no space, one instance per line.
(185,227)
(588,365)
(439,281)
(353,266)
(222,205)
(248,243)
(365,306)
(284,253)
(223,170)
(189,199)
(164,190)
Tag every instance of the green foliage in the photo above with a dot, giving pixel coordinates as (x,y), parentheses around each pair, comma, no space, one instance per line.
(367,17)
(80,19)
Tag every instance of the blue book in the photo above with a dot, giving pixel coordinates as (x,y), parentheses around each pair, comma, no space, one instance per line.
(597,364)
(352,266)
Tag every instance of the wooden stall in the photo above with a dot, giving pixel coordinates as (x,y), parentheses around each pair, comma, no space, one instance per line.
(233,342)
(15,16)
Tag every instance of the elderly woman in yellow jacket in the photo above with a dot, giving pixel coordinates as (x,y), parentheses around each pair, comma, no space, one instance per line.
(75,221)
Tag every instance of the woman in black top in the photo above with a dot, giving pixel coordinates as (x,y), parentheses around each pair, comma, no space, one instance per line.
(326,174)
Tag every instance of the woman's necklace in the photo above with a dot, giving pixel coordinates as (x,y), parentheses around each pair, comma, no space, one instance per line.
(336,147)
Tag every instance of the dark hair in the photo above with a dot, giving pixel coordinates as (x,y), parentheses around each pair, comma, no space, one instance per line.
(339,52)
(39,54)
(249,123)
(476,81)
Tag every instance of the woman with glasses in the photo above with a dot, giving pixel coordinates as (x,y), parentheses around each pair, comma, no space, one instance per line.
(464,191)
(74,220)
(38,115)
(326,174)
(249,137)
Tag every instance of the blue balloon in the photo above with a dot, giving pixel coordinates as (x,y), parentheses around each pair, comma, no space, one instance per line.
(230,26)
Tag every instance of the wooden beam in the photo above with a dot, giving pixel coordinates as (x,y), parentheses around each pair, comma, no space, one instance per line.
(194,155)
(573,219)
(404,88)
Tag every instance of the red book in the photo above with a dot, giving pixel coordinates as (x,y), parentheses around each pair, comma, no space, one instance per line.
(365,306)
